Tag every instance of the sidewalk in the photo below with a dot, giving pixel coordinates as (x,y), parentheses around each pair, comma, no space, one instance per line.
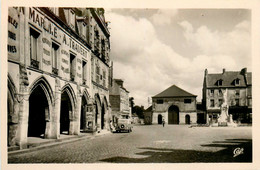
(35,143)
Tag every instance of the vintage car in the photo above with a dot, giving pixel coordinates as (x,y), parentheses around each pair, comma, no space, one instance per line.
(123,124)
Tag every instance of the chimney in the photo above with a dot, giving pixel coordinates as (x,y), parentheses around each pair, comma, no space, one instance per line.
(243,71)
(119,82)
(206,72)
(224,70)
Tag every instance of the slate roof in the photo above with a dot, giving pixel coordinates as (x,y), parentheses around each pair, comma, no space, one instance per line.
(174,91)
(149,109)
(228,78)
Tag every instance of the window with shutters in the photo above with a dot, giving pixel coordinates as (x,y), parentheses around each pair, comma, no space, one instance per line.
(72,67)
(84,72)
(34,52)
(54,56)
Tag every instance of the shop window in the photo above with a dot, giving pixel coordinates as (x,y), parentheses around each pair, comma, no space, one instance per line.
(34,52)
(54,55)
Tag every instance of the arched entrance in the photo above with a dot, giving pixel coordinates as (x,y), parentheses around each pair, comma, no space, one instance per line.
(103,117)
(83,118)
(98,112)
(159,119)
(187,119)
(65,112)
(38,112)
(173,115)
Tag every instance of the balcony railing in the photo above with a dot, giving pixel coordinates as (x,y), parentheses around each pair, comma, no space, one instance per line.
(35,63)
(55,71)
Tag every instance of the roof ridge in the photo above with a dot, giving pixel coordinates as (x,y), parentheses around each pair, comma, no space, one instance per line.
(174,91)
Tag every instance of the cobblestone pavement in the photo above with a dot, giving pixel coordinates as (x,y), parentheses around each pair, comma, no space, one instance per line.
(152,143)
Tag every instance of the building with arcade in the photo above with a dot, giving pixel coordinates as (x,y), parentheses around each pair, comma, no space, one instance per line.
(58,72)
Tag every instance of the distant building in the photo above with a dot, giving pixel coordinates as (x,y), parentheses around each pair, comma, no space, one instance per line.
(119,99)
(201,113)
(175,106)
(148,115)
(239,93)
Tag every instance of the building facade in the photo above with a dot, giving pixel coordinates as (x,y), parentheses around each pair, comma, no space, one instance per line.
(119,99)
(175,106)
(58,65)
(238,85)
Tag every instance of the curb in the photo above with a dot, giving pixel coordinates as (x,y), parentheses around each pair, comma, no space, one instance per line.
(53,143)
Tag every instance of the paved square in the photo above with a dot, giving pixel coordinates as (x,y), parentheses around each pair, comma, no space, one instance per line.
(153,143)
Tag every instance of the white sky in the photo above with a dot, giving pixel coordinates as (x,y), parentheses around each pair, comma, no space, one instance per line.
(153,49)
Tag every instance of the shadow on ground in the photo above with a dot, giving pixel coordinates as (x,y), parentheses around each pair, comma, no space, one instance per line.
(162,155)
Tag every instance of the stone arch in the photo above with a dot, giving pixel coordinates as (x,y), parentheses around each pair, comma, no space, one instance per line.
(84,109)
(67,110)
(98,110)
(40,106)
(173,114)
(12,112)
(104,114)
(67,88)
(105,102)
(43,82)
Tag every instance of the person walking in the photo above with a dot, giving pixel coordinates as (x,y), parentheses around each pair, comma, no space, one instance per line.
(163,122)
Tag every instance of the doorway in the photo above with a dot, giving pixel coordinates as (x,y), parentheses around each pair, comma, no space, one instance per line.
(38,112)
(173,115)
(159,119)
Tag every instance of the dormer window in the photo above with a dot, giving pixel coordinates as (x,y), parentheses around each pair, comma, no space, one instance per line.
(219,82)
(55,11)
(84,30)
(237,82)
(72,19)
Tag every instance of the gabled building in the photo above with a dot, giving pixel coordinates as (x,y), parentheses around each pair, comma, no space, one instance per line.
(175,106)
(238,85)
(119,99)
(148,115)
(58,65)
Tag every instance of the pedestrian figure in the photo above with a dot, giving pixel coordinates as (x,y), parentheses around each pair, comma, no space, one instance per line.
(111,126)
(163,122)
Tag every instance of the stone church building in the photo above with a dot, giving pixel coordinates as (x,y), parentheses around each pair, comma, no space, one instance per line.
(58,72)
(175,106)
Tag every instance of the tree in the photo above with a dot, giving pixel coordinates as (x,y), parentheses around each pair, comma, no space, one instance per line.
(139,111)
(131,102)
